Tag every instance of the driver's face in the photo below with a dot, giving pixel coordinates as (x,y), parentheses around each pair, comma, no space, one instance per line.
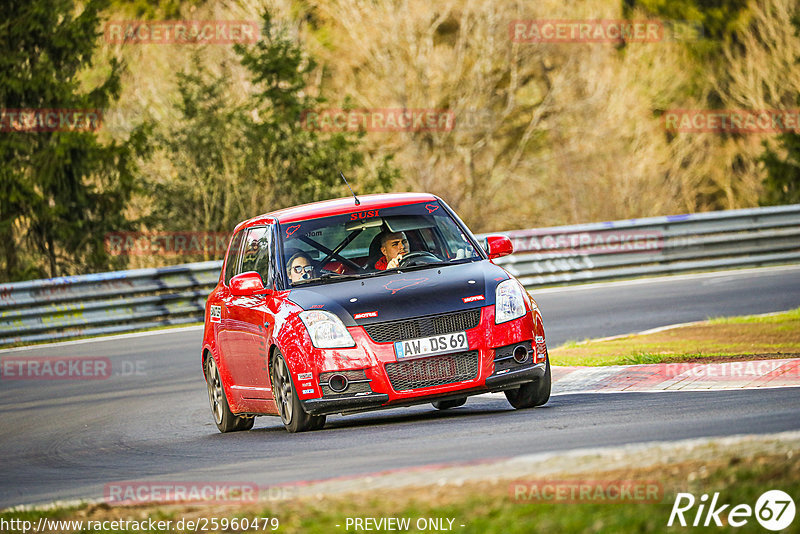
(397,244)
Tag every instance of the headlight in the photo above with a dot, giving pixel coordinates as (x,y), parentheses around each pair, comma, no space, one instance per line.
(326,330)
(509,301)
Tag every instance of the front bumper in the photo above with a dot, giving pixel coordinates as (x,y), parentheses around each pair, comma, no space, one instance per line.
(383,381)
(376,401)
(345,404)
(513,379)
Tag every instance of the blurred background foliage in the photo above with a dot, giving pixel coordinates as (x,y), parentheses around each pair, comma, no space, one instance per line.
(197,138)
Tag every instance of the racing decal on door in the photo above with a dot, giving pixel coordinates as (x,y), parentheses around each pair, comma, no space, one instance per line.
(215,313)
(403,283)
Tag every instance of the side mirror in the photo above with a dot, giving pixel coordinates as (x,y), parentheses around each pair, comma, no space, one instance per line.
(248,284)
(498,246)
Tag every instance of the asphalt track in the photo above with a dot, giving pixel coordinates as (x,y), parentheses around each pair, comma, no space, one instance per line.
(150,420)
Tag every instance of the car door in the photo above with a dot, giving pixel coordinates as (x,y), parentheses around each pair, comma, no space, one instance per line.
(244,340)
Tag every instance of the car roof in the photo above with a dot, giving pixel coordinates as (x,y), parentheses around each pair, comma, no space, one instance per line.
(338,206)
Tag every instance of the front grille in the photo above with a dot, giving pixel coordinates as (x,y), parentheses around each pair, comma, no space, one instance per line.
(431,325)
(434,371)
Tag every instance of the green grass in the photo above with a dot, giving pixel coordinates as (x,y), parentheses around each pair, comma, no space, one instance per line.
(788,317)
(491,507)
(748,337)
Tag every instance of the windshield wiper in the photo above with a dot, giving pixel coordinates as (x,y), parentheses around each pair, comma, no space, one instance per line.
(326,277)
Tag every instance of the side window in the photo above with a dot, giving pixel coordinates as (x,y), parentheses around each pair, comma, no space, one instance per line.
(232,261)
(258,253)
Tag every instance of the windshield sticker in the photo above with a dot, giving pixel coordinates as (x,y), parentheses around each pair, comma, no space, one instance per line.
(215,313)
(431,207)
(363,215)
(403,283)
(365,314)
(473,298)
(290,230)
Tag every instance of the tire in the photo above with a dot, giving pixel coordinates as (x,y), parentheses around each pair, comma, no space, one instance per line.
(245,423)
(447,404)
(319,422)
(294,417)
(225,420)
(532,394)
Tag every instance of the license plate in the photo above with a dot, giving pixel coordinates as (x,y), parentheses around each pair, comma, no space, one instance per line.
(426,346)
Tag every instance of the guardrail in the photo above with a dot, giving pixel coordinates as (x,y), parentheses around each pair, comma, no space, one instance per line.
(123,301)
(655,246)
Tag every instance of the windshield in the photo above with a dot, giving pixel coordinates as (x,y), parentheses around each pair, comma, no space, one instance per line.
(370,242)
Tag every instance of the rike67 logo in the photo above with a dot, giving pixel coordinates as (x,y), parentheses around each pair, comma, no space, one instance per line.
(774,510)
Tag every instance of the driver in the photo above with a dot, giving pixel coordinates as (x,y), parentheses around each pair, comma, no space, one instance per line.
(299,267)
(393,246)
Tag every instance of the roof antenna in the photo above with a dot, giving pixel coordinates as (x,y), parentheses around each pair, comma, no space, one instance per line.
(358,202)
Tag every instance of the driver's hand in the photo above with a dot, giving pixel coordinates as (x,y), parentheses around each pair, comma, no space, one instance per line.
(395,262)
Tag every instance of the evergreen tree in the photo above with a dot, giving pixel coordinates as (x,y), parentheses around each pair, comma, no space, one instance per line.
(60,191)
(782,183)
(236,156)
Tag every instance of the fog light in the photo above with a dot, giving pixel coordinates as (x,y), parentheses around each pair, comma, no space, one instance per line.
(338,383)
(520,354)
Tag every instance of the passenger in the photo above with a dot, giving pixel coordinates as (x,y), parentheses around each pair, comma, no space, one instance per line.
(299,267)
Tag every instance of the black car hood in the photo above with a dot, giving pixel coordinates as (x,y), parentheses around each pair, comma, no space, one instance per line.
(400,295)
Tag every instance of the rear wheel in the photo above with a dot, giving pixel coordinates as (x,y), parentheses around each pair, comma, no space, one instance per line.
(225,420)
(447,404)
(532,394)
(294,417)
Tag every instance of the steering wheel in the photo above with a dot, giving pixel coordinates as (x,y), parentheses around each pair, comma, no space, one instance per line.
(412,257)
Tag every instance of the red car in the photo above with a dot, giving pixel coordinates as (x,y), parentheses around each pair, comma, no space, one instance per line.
(352,304)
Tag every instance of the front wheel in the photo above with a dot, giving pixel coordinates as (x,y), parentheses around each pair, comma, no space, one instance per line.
(225,420)
(294,417)
(532,394)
